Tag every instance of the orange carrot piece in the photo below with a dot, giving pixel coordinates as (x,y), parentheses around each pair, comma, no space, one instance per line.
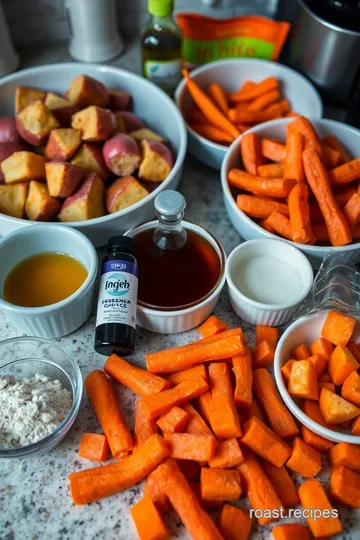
(303,380)
(350,389)
(286,369)
(323,347)
(265,225)
(300,214)
(105,405)
(284,487)
(217,347)
(345,487)
(263,87)
(317,177)
(260,207)
(174,484)
(338,328)
(257,486)
(312,410)
(234,523)
(284,106)
(144,427)
(224,416)
(345,455)
(341,364)
(355,427)
(242,369)
(265,442)
(264,100)
(305,459)
(263,355)
(278,416)
(271,170)
(304,126)
(212,326)
(190,469)
(352,210)
(293,165)
(148,521)
(269,187)
(196,424)
(273,150)
(254,410)
(228,455)
(331,140)
(319,364)
(206,504)
(335,409)
(140,381)
(195,116)
(343,196)
(346,173)
(212,133)
(321,234)
(204,404)
(152,490)
(158,404)
(301,352)
(219,97)
(173,421)
(93,484)
(199,371)
(330,156)
(354,350)
(312,495)
(208,108)
(314,440)
(250,152)
(94,446)
(242,115)
(191,446)
(220,484)
(291,531)
(280,224)
(267,333)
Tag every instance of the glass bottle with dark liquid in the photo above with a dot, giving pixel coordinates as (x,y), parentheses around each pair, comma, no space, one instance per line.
(178,266)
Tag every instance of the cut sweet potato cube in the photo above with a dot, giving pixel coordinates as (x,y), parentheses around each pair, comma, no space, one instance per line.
(305,459)
(89,157)
(62,144)
(341,364)
(338,328)
(40,206)
(319,364)
(62,178)
(13,198)
(24,96)
(85,91)
(335,409)
(324,377)
(86,202)
(323,347)
(303,381)
(286,369)
(21,166)
(351,389)
(157,161)
(267,333)
(301,352)
(94,123)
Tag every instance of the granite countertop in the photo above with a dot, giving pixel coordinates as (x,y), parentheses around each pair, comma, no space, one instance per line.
(34,494)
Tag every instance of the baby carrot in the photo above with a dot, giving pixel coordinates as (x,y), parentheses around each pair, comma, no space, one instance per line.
(331,140)
(261,88)
(280,224)
(271,170)
(304,126)
(352,210)
(216,92)
(273,150)
(346,173)
(144,427)
(212,133)
(270,187)
(260,207)
(241,115)
(213,325)
(250,152)
(264,100)
(330,156)
(293,165)
(104,402)
(299,211)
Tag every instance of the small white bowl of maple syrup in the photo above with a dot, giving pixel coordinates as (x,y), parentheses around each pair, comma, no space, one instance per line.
(178,289)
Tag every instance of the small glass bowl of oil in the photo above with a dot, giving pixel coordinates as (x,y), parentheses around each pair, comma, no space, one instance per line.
(179,288)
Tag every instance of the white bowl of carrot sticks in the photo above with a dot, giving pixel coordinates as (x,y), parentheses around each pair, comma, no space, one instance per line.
(307,194)
(222,99)
(324,398)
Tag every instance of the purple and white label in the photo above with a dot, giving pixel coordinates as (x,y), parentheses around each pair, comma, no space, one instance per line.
(120,266)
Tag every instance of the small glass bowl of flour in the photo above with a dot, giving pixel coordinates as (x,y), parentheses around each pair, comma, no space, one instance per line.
(40,393)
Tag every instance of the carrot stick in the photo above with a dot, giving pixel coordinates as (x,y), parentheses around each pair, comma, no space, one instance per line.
(220,484)
(272,170)
(330,156)
(140,381)
(280,224)
(214,348)
(152,490)
(265,225)
(299,211)
(291,531)
(104,402)
(257,486)
(144,427)
(191,446)
(254,410)
(208,108)
(270,187)
(228,455)
(173,421)
(311,140)
(224,416)
(160,403)
(196,424)
(198,371)
(234,523)
(312,495)
(305,459)
(263,87)
(216,92)
(242,368)
(260,208)
(263,354)
(205,405)
(212,133)
(352,210)
(93,484)
(337,225)
(212,326)
(148,522)
(346,173)
(264,100)
(93,446)
(279,417)
(250,152)
(273,150)
(331,140)
(293,165)
(280,479)
(267,333)
(345,487)
(198,523)
(265,442)
(241,115)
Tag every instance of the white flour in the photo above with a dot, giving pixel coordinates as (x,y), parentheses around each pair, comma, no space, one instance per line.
(30,409)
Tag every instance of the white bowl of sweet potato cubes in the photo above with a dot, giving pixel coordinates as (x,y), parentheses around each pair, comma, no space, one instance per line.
(85,145)
(309,198)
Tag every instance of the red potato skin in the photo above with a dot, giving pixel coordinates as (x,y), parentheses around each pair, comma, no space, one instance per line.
(149,148)
(118,147)
(70,176)
(92,92)
(8,130)
(84,199)
(118,188)
(118,100)
(126,122)
(6,149)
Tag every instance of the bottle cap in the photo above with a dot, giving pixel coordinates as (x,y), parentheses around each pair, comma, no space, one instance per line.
(170,205)
(160,8)
(121,243)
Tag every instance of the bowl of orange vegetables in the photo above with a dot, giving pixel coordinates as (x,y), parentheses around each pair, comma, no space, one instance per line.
(222,99)
(315,366)
(297,179)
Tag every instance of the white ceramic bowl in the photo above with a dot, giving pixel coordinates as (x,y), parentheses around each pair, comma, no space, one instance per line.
(276,129)
(156,109)
(167,321)
(231,74)
(62,318)
(256,312)
(306,330)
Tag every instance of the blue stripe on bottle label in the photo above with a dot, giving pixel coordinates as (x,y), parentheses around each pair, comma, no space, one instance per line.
(120,266)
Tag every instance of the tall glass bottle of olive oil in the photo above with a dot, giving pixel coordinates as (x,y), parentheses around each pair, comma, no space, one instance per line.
(161,46)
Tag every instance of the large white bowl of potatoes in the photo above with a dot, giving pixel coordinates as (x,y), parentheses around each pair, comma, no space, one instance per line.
(85,145)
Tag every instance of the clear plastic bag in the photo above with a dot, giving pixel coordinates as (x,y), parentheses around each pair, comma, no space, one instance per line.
(336,286)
